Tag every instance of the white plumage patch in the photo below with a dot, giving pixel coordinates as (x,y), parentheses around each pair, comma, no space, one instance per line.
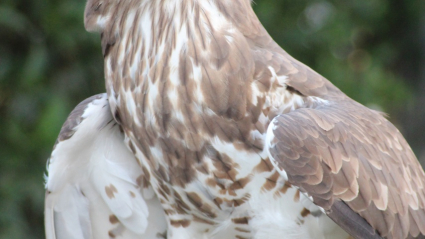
(273,224)
(277,218)
(93,189)
(270,144)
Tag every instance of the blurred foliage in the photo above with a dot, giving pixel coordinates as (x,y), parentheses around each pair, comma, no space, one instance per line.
(373,50)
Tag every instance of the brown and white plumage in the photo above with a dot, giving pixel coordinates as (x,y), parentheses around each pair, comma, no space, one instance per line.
(240,140)
(346,154)
(94,187)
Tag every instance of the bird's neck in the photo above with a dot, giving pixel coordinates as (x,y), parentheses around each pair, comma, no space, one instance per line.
(203,45)
(162,20)
(155,29)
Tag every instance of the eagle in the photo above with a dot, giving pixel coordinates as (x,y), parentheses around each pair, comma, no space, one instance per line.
(209,129)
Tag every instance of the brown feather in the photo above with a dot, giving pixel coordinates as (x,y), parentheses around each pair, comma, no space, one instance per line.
(376,168)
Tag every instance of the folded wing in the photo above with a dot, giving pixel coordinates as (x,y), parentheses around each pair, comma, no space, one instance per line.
(95,186)
(352,162)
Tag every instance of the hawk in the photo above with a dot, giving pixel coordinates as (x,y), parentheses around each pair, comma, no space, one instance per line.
(210,130)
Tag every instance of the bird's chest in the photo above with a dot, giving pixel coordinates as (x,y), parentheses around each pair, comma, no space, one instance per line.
(204,167)
(198,161)
(218,191)
(210,188)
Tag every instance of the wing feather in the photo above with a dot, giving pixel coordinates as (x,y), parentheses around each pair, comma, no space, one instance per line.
(92,188)
(360,158)
(70,217)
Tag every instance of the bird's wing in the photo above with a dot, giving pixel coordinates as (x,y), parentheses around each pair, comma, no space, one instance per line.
(351,161)
(95,187)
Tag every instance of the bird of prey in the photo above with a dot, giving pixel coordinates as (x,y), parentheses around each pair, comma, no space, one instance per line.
(235,137)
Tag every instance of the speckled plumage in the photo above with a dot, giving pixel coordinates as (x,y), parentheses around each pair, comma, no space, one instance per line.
(237,138)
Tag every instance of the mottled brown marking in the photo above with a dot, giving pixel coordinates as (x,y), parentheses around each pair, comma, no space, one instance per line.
(264,166)
(165,189)
(180,223)
(241,237)
(163,194)
(211,182)
(297,196)
(242,230)
(139,180)
(285,187)
(226,168)
(111,234)
(181,206)
(202,206)
(203,168)
(113,219)
(241,220)
(110,191)
(132,194)
(271,181)
(305,212)
(195,199)
(240,184)
(218,201)
(169,212)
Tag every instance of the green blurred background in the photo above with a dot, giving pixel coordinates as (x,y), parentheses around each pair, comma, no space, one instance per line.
(374,50)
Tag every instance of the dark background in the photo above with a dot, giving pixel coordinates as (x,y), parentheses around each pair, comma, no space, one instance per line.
(374,50)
